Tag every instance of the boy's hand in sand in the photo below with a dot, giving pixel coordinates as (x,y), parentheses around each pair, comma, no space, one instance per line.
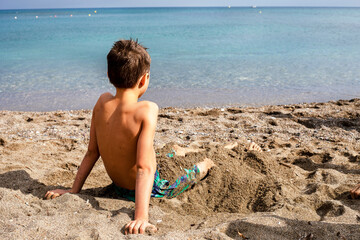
(139,226)
(55,193)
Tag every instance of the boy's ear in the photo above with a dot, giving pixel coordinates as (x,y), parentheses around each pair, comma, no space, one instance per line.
(142,80)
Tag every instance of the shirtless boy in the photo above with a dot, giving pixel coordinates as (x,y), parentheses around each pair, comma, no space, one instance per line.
(122,133)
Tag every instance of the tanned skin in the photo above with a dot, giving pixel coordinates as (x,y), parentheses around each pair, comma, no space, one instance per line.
(355,193)
(122,133)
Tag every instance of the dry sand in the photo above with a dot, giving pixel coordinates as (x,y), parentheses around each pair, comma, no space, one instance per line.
(298,188)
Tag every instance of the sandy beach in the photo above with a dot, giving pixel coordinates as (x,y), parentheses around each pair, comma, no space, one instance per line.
(297,188)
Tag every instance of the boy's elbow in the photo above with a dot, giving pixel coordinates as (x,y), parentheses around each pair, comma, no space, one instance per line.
(146,168)
(93,153)
(146,164)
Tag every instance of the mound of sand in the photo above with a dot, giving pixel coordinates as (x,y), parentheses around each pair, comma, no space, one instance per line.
(297,188)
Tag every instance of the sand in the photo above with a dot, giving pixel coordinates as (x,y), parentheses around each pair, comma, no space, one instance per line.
(297,188)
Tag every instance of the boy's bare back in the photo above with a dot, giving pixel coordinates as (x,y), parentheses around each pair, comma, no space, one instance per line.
(119,127)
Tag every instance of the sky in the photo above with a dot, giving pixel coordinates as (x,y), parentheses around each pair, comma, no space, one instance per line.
(34,4)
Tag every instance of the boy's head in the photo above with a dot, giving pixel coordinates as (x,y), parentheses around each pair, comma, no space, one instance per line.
(127,62)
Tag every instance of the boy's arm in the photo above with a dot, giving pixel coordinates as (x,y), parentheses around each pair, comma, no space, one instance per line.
(146,167)
(88,162)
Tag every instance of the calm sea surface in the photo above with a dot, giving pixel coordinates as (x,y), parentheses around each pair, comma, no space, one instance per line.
(200,56)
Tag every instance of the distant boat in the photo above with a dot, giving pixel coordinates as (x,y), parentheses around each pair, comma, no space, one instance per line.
(253,6)
(229,6)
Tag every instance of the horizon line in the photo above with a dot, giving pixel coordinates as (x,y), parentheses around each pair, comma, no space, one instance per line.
(225,6)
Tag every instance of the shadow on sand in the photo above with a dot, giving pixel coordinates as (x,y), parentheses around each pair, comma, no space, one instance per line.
(21,180)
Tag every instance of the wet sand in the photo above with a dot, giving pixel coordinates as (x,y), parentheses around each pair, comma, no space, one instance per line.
(297,188)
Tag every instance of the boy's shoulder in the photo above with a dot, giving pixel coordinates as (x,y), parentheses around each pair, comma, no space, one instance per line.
(105,96)
(147,110)
(151,106)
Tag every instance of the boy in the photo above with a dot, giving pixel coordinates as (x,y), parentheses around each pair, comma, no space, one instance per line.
(122,133)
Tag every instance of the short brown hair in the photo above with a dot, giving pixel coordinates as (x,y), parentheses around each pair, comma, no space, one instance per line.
(127,62)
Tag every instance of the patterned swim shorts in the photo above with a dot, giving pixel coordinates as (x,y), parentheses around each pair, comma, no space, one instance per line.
(162,187)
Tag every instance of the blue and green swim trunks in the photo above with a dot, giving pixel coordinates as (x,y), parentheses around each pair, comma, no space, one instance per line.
(162,188)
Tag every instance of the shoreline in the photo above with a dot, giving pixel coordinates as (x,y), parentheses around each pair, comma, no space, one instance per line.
(299,186)
(177,98)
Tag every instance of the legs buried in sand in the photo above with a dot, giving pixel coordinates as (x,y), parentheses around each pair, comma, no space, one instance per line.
(163,188)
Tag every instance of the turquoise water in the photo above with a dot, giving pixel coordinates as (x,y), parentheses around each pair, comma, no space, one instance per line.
(200,56)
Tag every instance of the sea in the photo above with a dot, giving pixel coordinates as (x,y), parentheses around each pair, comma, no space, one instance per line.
(55,59)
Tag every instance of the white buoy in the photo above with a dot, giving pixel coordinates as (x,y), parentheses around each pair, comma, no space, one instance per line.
(37,17)
(15,17)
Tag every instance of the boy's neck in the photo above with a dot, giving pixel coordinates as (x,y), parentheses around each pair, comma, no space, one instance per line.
(127,95)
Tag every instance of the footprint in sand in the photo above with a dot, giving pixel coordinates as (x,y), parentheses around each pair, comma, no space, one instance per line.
(330,209)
